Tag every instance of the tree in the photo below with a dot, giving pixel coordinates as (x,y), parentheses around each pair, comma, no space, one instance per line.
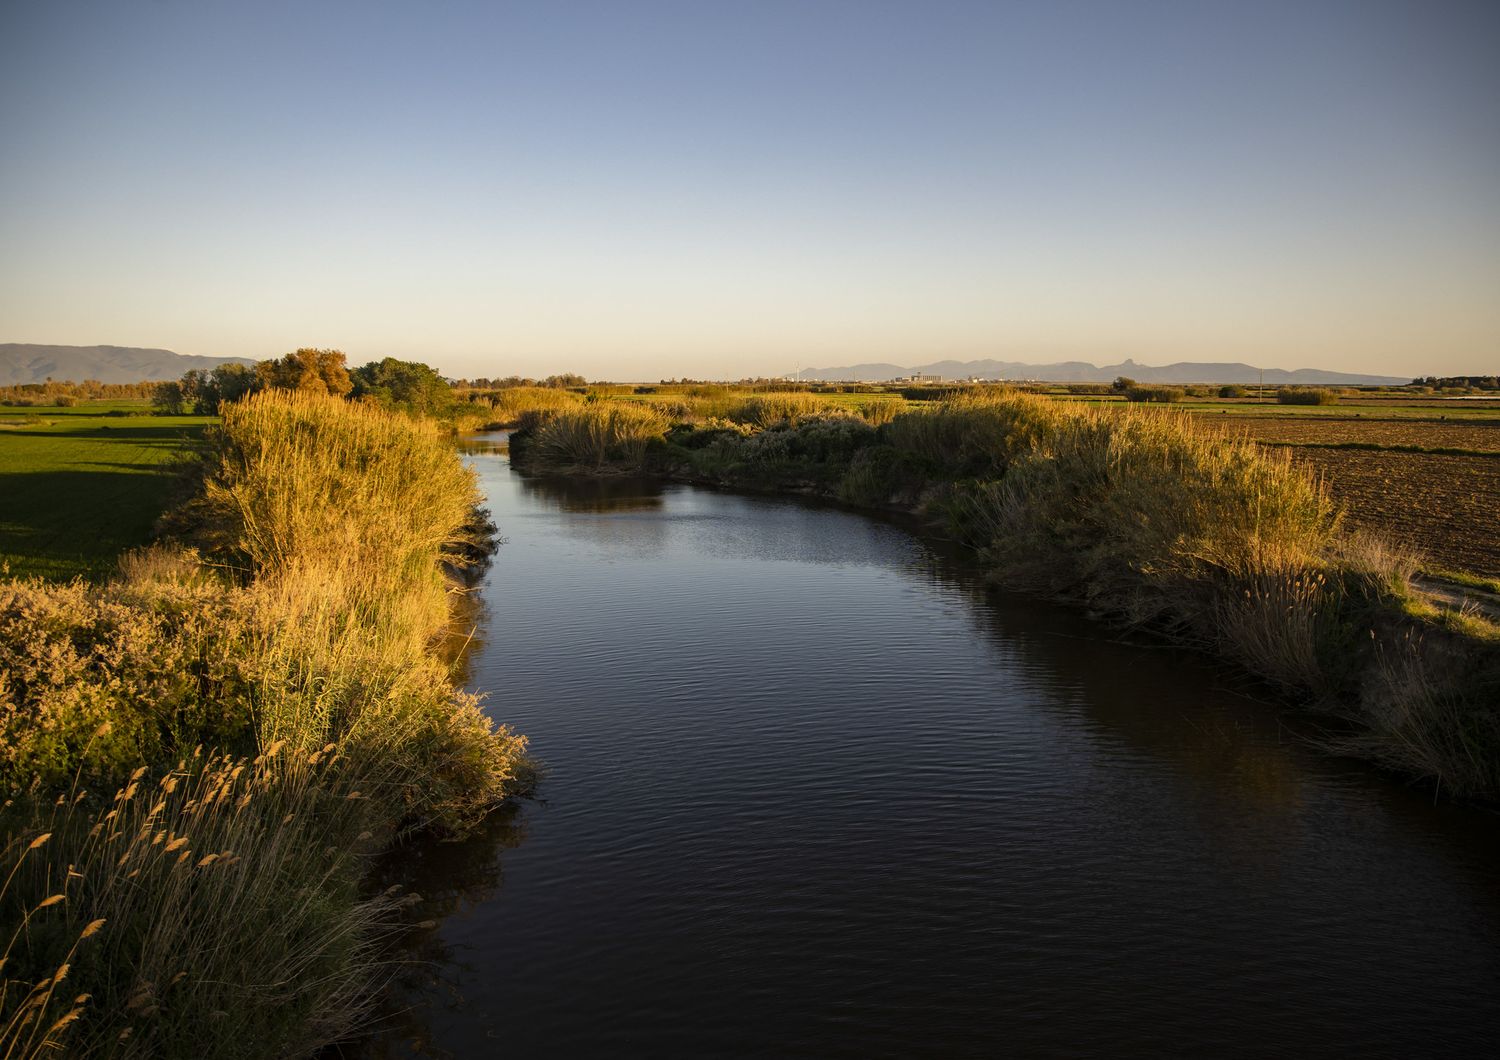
(230,382)
(319,371)
(1122,383)
(409,385)
(168,397)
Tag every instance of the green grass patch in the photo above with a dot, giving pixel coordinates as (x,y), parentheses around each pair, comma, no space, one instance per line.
(1458,577)
(80,485)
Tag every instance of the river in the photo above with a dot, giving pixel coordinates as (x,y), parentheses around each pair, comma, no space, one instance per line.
(813,789)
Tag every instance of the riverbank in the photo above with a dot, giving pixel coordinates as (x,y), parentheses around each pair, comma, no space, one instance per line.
(1143,518)
(203,752)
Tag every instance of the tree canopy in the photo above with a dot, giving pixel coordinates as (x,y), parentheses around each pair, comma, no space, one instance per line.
(322,371)
(409,385)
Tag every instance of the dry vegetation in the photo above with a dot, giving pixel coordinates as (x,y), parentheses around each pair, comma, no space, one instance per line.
(269,714)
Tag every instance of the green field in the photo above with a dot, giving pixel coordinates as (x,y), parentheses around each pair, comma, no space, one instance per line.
(80,485)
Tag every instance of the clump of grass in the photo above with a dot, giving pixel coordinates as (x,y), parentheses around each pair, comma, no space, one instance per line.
(602,391)
(1145,516)
(509,404)
(595,437)
(1288,395)
(675,410)
(777,409)
(212,909)
(971,436)
(1431,712)
(1162,395)
(305,480)
(880,411)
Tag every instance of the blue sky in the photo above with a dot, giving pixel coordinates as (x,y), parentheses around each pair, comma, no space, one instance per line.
(642,190)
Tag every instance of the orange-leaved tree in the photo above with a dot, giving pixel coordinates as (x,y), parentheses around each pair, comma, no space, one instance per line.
(321,371)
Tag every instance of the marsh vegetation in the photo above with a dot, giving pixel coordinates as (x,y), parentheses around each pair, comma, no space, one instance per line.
(204,750)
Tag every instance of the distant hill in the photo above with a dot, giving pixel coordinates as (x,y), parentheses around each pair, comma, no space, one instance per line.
(1083,372)
(22,362)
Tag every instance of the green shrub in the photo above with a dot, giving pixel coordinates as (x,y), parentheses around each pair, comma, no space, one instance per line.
(1159,394)
(1306,396)
(95,681)
(407,385)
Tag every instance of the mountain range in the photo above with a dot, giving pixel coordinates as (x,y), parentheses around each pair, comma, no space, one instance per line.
(1083,372)
(31,363)
(24,362)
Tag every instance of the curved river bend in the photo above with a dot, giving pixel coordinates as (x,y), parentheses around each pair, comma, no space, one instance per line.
(813,790)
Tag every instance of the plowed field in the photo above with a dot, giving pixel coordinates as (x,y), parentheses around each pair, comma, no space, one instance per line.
(1304,430)
(1446,506)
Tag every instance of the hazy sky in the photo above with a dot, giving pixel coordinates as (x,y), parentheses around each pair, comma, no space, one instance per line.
(645,189)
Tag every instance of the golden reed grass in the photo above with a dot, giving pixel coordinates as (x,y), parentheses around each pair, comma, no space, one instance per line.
(301,647)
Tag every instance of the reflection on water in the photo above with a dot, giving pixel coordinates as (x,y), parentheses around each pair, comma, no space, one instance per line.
(490,443)
(467,631)
(814,788)
(451,878)
(612,494)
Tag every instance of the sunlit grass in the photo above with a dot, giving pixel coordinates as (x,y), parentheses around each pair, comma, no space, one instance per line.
(283,696)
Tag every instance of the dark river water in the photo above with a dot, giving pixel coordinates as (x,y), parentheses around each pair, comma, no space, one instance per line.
(812,789)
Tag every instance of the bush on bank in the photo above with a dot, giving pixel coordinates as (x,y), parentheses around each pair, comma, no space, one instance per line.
(1208,539)
(267,712)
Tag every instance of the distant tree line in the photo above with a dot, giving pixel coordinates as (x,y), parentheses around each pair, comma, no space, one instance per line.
(407,385)
(566,379)
(1481,382)
(69,393)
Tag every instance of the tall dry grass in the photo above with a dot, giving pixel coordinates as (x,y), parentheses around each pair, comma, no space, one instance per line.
(1094,494)
(509,404)
(598,436)
(780,409)
(305,640)
(211,909)
(305,480)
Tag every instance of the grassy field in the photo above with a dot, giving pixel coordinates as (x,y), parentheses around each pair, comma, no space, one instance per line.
(80,485)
